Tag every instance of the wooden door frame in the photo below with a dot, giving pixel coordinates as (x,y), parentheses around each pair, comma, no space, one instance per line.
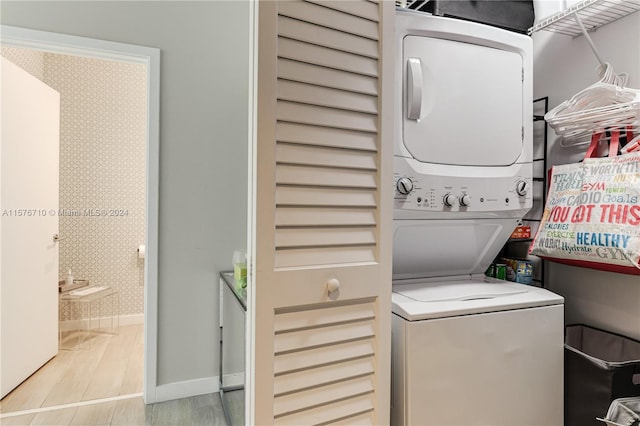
(100,49)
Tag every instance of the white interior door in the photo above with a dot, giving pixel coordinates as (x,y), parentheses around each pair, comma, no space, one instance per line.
(322,214)
(28,222)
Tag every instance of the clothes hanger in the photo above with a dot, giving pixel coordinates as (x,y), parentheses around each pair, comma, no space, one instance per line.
(601,105)
(606,104)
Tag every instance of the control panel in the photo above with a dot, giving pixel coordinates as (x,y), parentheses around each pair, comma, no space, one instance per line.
(474,193)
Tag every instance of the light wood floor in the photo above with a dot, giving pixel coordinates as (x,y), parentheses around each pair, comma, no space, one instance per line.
(111,368)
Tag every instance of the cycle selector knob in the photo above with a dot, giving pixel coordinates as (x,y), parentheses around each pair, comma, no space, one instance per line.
(449,200)
(404,185)
(465,200)
(522,187)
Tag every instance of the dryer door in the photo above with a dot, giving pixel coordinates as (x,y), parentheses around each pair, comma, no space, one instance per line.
(462,102)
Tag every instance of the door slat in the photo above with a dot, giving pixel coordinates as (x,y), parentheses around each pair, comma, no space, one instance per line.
(323,355)
(291,238)
(323,316)
(298,340)
(304,31)
(316,115)
(326,77)
(359,8)
(329,412)
(325,136)
(322,395)
(305,196)
(327,97)
(319,176)
(323,216)
(325,256)
(318,55)
(362,419)
(328,157)
(327,17)
(323,375)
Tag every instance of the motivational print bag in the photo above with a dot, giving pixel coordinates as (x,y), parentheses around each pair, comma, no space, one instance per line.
(592,215)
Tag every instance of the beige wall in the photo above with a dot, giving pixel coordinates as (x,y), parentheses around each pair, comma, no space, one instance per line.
(32,61)
(203,151)
(102,167)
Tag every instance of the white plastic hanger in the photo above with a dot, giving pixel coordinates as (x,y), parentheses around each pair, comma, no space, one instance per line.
(603,105)
(607,104)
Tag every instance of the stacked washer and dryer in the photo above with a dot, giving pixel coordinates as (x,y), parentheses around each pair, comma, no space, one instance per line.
(467,349)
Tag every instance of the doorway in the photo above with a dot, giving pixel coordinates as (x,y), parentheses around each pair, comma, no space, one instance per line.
(147,62)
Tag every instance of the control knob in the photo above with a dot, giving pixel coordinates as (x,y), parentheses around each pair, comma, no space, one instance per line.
(449,200)
(464,200)
(522,187)
(404,185)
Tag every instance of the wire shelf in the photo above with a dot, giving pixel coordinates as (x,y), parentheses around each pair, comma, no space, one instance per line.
(592,13)
(411,4)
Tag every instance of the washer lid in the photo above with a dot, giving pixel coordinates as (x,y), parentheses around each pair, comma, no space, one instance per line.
(443,248)
(441,299)
(459,291)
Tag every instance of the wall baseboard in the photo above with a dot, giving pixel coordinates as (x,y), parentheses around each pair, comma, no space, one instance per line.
(132,319)
(187,389)
(232,380)
(81,324)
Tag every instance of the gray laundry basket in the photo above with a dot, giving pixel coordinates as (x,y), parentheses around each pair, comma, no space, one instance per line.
(598,367)
(624,412)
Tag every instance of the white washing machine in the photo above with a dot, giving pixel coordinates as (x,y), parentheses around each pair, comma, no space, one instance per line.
(475,352)
(466,350)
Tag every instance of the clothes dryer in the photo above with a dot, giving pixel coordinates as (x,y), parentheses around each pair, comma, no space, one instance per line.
(466,349)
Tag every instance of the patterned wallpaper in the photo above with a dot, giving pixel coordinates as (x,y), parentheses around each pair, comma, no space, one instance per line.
(102,173)
(32,61)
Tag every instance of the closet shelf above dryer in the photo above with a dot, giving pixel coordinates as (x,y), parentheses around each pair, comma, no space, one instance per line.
(592,13)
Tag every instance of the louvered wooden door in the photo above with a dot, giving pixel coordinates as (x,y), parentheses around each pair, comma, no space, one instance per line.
(322,212)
